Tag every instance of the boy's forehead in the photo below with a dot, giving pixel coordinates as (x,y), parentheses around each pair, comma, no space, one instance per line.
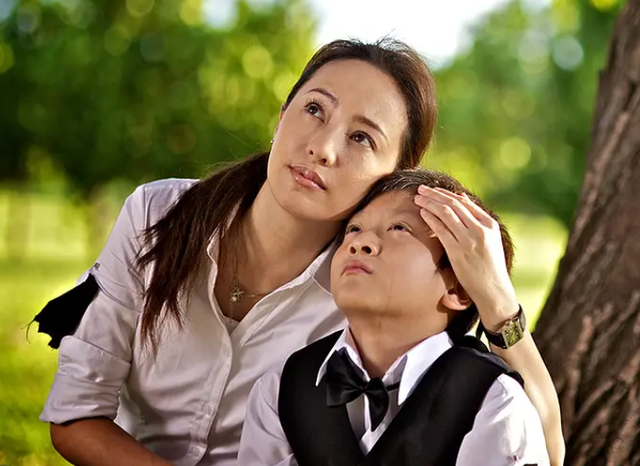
(394,202)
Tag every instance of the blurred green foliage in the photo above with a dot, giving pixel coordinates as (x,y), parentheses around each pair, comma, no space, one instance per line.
(516,107)
(96,96)
(145,89)
(141,89)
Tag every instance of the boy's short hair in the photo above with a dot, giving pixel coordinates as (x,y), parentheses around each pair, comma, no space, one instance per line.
(409,180)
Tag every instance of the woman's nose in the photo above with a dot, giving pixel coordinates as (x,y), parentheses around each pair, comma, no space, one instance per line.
(324,158)
(322,149)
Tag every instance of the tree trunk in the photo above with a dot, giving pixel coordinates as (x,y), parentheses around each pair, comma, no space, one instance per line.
(589,330)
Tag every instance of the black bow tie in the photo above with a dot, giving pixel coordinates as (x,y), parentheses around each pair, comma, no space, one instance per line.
(345,384)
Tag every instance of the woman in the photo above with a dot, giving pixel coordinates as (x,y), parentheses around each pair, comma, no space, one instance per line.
(204,286)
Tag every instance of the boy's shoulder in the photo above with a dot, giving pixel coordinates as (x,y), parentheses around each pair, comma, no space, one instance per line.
(477,349)
(316,351)
(507,424)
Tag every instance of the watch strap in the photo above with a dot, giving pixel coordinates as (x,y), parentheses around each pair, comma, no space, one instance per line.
(511,333)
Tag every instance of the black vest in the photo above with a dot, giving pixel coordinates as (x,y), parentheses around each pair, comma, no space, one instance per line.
(428,429)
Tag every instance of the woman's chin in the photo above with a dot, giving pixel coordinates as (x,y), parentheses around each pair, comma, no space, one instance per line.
(304,208)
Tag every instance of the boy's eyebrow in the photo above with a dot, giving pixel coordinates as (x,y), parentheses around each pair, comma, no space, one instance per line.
(413,213)
(405,211)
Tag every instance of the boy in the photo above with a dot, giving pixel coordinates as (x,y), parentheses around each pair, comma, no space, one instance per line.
(402,385)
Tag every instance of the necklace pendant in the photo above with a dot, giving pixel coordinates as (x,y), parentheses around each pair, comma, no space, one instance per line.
(236,293)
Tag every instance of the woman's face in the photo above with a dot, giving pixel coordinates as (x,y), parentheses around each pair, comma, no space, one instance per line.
(341,132)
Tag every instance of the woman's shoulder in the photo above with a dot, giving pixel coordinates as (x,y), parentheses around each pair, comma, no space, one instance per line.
(164,191)
(154,199)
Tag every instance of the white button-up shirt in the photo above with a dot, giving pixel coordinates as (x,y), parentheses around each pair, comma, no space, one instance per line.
(506,432)
(188,402)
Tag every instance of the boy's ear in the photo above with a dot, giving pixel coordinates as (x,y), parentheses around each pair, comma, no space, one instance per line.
(456,298)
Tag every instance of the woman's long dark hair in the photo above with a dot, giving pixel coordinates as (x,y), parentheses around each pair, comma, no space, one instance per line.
(175,245)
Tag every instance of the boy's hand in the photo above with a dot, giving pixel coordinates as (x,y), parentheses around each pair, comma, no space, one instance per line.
(473,243)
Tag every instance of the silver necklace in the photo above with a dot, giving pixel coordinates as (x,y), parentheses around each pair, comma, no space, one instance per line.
(237,293)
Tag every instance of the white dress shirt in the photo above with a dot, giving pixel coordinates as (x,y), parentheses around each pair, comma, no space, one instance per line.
(188,403)
(506,432)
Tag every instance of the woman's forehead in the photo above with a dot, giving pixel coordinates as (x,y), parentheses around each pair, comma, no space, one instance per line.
(362,87)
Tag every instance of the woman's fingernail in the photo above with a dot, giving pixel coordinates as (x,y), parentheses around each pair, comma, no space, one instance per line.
(422,189)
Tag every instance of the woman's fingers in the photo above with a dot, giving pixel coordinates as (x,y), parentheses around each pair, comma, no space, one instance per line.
(451,211)
(480,215)
(445,214)
(443,233)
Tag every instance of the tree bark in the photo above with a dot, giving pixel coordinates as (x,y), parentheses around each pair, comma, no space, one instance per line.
(589,330)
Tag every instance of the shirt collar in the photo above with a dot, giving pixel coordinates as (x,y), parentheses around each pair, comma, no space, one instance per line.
(408,369)
(319,270)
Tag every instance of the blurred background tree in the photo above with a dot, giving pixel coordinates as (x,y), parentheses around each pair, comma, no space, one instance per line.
(140,89)
(98,96)
(515,108)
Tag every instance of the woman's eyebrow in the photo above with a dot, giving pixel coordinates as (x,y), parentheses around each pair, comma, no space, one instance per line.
(328,94)
(360,118)
(372,124)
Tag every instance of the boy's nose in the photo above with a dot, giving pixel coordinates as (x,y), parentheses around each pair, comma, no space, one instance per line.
(366,246)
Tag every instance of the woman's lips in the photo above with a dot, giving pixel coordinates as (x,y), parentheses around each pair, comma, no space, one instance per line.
(307,177)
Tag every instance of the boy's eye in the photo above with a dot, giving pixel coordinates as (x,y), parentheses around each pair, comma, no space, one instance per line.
(352,229)
(398,227)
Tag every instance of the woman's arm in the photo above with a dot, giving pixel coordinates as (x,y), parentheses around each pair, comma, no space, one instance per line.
(94,362)
(473,242)
(100,442)
(525,358)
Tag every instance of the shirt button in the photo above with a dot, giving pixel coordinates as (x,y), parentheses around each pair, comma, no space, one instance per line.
(208,409)
(193,450)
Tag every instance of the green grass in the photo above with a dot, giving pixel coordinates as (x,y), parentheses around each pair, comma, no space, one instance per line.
(540,243)
(54,258)
(27,366)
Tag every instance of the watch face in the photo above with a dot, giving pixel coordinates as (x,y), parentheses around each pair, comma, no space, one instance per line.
(513,333)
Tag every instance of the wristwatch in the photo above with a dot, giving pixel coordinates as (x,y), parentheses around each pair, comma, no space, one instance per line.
(512,331)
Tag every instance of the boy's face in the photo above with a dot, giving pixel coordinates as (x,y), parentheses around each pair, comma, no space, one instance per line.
(387,263)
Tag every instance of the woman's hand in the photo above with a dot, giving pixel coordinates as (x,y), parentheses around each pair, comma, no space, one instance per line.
(473,243)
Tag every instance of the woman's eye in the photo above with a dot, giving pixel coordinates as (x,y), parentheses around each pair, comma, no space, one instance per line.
(362,138)
(313,109)
(352,229)
(398,227)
